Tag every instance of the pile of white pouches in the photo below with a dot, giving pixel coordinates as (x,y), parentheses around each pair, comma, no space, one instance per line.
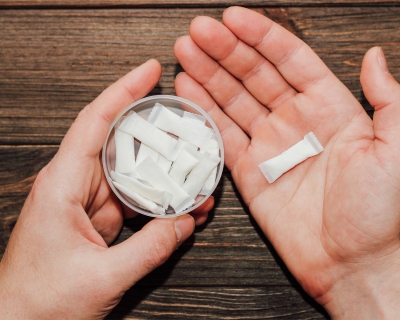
(167,171)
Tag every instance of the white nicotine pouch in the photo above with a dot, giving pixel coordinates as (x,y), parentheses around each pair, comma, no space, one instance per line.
(151,172)
(141,201)
(212,144)
(212,148)
(146,151)
(209,184)
(194,117)
(186,161)
(124,152)
(275,167)
(150,135)
(192,131)
(164,163)
(200,173)
(158,196)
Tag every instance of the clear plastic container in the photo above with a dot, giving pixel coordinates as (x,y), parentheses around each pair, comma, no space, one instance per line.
(143,108)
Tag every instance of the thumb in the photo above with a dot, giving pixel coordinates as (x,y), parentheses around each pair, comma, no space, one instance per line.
(383,93)
(147,249)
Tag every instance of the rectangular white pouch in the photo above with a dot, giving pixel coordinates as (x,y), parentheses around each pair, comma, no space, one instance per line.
(164,163)
(150,135)
(212,144)
(191,131)
(158,178)
(198,176)
(146,151)
(275,167)
(213,148)
(186,161)
(142,202)
(156,195)
(209,184)
(194,117)
(124,152)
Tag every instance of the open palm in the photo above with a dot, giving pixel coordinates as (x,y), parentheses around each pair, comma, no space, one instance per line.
(335,216)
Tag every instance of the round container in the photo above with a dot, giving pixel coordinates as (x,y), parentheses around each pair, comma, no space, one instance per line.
(143,108)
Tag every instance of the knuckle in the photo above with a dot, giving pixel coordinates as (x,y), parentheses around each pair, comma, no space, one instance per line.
(161,252)
(161,248)
(40,182)
(36,205)
(110,227)
(83,112)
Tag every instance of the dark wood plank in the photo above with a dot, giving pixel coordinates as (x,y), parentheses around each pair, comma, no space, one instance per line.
(184,3)
(53,63)
(215,303)
(341,37)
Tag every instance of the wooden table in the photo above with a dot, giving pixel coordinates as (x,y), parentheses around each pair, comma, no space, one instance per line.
(57,55)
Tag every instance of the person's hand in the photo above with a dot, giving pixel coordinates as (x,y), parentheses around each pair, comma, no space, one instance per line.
(335,218)
(57,264)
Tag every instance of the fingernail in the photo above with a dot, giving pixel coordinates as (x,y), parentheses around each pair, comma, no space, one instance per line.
(382,60)
(184,227)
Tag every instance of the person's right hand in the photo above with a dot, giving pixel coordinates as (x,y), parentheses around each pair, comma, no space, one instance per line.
(58,263)
(335,218)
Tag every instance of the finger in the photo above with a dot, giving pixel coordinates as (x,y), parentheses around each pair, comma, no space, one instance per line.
(200,218)
(383,93)
(229,93)
(104,209)
(235,140)
(295,60)
(128,213)
(147,249)
(86,136)
(257,74)
(205,207)
(108,220)
(200,214)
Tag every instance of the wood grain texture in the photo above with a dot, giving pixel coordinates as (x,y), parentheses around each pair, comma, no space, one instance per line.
(53,63)
(184,3)
(341,37)
(215,303)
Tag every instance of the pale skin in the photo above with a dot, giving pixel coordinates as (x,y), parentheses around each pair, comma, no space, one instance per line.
(58,263)
(334,219)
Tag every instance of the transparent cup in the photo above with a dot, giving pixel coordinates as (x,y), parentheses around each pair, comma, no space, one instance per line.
(143,108)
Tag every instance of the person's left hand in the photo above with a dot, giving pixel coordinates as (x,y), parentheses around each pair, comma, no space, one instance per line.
(57,263)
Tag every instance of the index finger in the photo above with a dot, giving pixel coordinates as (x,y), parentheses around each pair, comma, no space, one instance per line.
(295,60)
(89,131)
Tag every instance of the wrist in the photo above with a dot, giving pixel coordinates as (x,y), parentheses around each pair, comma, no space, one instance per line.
(373,293)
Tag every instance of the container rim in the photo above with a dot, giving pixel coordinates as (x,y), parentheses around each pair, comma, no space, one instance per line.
(176,99)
